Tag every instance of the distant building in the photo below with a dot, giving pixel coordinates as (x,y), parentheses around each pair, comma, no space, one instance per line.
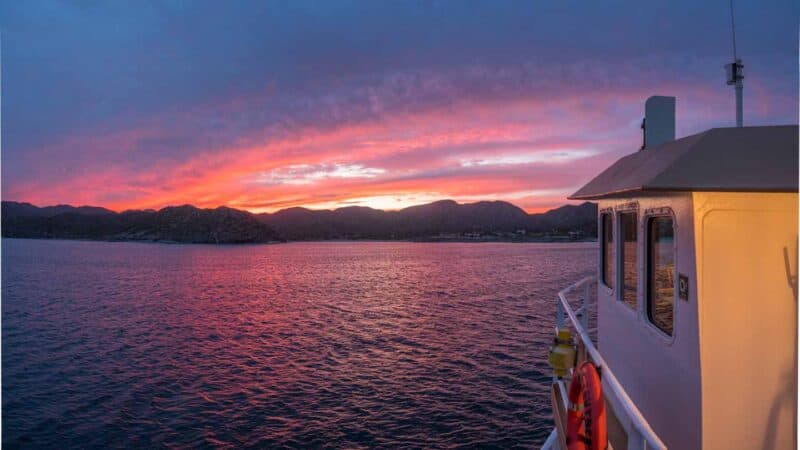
(575,235)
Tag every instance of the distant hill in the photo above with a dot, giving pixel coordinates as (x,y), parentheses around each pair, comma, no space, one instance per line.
(568,218)
(26,209)
(186,224)
(226,225)
(438,218)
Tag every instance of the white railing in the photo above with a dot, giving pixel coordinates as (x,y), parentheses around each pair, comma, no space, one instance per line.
(640,435)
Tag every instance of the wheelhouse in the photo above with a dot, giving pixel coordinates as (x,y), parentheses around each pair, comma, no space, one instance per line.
(697,285)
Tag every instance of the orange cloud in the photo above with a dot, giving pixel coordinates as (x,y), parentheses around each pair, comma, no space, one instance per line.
(529,151)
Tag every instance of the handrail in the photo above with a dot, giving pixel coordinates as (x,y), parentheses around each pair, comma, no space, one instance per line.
(635,416)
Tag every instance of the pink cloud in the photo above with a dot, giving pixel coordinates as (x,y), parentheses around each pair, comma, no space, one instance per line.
(412,137)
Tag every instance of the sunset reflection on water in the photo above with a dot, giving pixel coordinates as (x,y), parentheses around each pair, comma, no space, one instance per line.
(315,344)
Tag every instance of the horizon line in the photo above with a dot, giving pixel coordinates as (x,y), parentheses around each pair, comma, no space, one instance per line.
(566,203)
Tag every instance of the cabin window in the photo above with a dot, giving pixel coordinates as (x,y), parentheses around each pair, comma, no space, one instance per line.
(607,250)
(660,272)
(629,257)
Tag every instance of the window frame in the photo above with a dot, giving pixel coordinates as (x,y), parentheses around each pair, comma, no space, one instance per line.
(630,208)
(602,235)
(651,214)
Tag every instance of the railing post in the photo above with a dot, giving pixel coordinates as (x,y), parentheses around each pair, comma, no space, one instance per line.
(585,314)
(560,319)
(636,440)
(560,316)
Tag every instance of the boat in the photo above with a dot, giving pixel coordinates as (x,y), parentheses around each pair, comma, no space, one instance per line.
(695,296)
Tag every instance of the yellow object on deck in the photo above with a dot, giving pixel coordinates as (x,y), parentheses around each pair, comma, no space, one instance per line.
(562,353)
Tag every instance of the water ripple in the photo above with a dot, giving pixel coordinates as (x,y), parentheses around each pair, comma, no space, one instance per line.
(355,345)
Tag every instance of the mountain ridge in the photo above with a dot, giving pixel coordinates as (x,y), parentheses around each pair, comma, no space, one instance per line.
(181,224)
(443,217)
(190,224)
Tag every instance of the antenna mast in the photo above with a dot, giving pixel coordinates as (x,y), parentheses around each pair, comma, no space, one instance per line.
(735,74)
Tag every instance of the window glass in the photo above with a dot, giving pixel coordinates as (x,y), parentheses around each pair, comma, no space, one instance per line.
(661,273)
(607,249)
(629,257)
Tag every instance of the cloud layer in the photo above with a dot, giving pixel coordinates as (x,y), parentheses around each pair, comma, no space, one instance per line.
(323,104)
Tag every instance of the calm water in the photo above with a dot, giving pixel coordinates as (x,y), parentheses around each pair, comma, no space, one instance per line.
(318,344)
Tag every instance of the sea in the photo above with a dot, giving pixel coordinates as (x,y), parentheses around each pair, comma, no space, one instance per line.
(298,345)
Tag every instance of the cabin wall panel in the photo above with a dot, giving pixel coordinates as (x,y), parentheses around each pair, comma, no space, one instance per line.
(660,373)
(748,311)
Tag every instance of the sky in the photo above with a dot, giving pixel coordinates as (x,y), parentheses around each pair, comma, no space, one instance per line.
(267,105)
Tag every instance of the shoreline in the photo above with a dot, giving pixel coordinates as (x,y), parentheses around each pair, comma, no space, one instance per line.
(415,241)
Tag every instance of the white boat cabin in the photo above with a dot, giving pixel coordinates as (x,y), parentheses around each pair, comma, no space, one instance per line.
(697,281)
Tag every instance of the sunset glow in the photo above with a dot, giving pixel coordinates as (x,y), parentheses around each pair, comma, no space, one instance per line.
(268,117)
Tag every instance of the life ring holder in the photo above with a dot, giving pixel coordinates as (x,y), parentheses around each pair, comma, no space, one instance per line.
(586,413)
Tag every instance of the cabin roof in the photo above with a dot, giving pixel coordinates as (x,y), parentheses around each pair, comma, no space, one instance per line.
(748,159)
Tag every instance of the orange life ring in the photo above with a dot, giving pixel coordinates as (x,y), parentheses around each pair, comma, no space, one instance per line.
(586,417)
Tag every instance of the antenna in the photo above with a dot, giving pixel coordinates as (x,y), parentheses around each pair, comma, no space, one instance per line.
(735,74)
(733,31)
